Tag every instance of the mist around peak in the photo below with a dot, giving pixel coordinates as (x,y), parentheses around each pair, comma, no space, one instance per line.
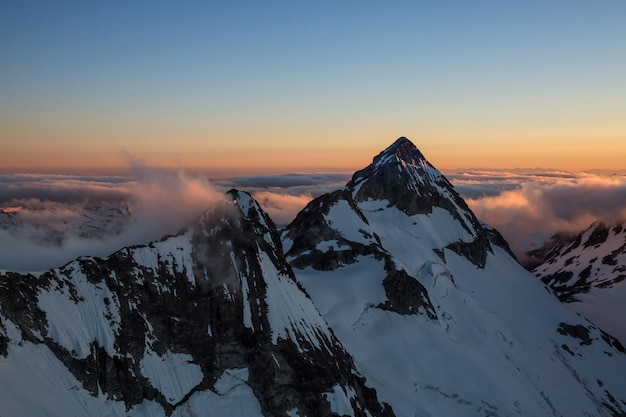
(47,221)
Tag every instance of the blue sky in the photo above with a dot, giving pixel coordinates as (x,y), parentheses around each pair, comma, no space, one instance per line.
(246,82)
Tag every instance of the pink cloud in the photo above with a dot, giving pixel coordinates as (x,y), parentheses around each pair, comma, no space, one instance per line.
(540,207)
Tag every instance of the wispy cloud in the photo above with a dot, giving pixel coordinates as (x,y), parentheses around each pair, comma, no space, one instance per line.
(161,203)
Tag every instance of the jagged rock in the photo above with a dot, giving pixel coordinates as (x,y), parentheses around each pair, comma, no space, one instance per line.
(401,177)
(585,269)
(164,323)
(426,299)
(405,295)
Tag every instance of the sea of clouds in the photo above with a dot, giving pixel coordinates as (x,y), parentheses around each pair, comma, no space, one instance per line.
(526,207)
(529,207)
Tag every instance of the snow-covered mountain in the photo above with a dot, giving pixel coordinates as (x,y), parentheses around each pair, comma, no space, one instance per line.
(208,322)
(587,271)
(402,303)
(437,314)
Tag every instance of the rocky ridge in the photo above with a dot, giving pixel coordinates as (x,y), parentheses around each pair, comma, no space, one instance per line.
(574,263)
(434,308)
(587,271)
(162,326)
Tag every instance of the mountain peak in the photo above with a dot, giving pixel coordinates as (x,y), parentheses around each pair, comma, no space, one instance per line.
(244,201)
(404,162)
(401,177)
(399,171)
(402,150)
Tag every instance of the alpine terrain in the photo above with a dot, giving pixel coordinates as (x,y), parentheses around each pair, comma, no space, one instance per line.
(210,322)
(587,272)
(384,298)
(438,315)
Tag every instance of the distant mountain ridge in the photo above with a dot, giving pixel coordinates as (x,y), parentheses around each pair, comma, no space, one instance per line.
(588,271)
(385,298)
(573,264)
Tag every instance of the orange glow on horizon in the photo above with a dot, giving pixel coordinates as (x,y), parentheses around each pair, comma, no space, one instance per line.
(309,153)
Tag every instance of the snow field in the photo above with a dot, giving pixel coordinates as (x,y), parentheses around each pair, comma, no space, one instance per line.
(233,397)
(94,316)
(487,354)
(173,374)
(290,312)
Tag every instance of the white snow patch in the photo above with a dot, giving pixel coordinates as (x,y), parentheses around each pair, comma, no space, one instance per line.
(604,303)
(10,330)
(604,307)
(290,312)
(76,324)
(293,412)
(230,379)
(35,383)
(411,239)
(174,252)
(245,292)
(227,294)
(484,335)
(173,374)
(287,244)
(339,400)
(233,398)
(342,218)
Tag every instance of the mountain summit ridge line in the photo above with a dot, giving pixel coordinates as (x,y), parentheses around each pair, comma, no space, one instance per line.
(385,298)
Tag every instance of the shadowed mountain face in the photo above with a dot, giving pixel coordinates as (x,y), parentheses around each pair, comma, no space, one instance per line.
(395,300)
(165,326)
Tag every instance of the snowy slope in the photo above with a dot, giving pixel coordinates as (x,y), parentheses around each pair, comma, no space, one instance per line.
(436,313)
(587,272)
(211,319)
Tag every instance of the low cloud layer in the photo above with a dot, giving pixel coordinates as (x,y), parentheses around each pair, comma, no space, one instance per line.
(38,211)
(65,189)
(49,220)
(528,208)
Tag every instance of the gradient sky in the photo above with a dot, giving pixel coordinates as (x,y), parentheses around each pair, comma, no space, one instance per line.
(304,86)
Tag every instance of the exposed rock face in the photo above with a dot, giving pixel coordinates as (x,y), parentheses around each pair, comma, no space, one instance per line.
(166,323)
(310,228)
(587,271)
(574,264)
(405,295)
(435,309)
(401,176)
(398,177)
